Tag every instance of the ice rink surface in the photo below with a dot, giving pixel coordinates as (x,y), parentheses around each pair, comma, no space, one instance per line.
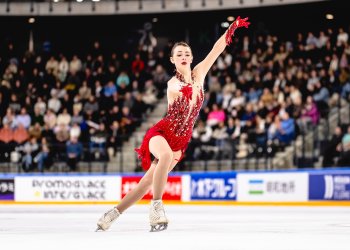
(194,227)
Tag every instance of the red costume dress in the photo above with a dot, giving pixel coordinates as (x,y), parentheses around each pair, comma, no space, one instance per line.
(177,125)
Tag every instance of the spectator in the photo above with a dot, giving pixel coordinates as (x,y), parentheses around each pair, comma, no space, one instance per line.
(20,134)
(23,118)
(74,150)
(123,78)
(310,113)
(40,106)
(285,130)
(332,148)
(6,141)
(220,134)
(85,91)
(10,119)
(98,142)
(43,157)
(35,131)
(54,104)
(30,150)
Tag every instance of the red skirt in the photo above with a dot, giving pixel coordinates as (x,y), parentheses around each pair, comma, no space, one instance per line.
(162,128)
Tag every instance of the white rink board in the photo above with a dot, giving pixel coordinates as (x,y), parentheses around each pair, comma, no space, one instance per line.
(273,187)
(67,188)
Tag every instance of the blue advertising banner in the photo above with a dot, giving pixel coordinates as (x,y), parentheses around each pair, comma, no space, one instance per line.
(7,189)
(213,186)
(329,186)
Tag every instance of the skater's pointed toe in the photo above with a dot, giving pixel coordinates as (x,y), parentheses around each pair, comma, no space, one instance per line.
(107,219)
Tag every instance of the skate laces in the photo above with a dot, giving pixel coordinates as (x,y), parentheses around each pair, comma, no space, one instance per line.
(158,208)
(111,215)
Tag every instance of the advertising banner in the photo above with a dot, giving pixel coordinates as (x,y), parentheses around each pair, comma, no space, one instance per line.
(213,186)
(329,186)
(7,189)
(67,188)
(173,188)
(272,187)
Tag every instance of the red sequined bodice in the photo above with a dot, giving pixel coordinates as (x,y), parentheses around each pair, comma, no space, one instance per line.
(177,125)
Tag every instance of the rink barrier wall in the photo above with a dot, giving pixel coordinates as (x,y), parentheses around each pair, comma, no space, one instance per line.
(329,187)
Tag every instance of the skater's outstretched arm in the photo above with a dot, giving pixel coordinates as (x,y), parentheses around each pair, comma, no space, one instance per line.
(203,67)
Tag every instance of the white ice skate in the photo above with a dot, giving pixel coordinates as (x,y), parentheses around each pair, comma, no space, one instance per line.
(107,219)
(157,218)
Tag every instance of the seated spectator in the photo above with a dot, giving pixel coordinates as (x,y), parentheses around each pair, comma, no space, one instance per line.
(309,114)
(43,157)
(109,89)
(10,119)
(344,148)
(37,117)
(127,121)
(216,116)
(254,95)
(14,104)
(75,130)
(332,148)
(30,149)
(20,134)
(260,133)
(115,138)
(24,118)
(249,114)
(74,150)
(237,100)
(220,134)
(6,141)
(64,118)
(77,103)
(77,117)
(50,119)
(61,133)
(139,109)
(54,104)
(267,97)
(150,95)
(282,130)
(98,142)
(202,135)
(123,78)
(85,91)
(321,96)
(91,107)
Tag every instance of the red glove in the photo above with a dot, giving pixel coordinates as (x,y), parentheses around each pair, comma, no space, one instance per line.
(236,24)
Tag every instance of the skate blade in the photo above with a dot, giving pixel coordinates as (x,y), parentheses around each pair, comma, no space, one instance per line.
(159,227)
(98,229)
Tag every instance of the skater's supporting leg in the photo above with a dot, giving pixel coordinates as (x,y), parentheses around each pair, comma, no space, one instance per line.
(136,194)
(160,148)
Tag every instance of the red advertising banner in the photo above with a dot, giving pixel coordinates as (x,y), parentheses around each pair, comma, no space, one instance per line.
(173,188)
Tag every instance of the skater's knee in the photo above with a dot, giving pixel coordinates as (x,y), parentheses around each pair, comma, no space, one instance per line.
(166,156)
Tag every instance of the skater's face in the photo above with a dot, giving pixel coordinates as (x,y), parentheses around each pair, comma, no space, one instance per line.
(182,57)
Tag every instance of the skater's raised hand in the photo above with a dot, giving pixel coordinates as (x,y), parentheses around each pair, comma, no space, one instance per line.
(238,23)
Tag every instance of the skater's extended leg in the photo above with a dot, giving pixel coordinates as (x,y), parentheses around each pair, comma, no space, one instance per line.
(129,199)
(139,191)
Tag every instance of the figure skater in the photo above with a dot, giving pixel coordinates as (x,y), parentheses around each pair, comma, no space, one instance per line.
(168,139)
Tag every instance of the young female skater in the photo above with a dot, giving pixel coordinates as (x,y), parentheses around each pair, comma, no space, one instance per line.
(167,140)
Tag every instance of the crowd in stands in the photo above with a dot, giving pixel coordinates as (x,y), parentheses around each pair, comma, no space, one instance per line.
(260,94)
(54,108)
